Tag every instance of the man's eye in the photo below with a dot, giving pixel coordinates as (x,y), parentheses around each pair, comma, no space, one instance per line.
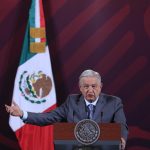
(86,86)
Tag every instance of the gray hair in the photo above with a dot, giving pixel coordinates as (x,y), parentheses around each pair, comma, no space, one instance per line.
(89,73)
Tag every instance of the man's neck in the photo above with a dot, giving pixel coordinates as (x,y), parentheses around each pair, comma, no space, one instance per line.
(91,101)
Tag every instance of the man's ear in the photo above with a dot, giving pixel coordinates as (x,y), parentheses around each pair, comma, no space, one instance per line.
(80,88)
(101,85)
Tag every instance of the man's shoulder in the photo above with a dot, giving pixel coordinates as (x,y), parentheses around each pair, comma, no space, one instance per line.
(109,97)
(75,96)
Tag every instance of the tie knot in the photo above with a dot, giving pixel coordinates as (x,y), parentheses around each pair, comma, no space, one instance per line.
(91,107)
(91,111)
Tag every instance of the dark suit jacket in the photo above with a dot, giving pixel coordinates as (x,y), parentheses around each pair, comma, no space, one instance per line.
(108,109)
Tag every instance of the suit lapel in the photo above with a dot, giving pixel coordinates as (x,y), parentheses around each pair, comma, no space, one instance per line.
(99,109)
(82,108)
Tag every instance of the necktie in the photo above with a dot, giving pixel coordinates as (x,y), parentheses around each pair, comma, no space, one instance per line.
(91,111)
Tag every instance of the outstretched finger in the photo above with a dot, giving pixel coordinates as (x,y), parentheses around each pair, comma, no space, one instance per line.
(7,107)
(14,103)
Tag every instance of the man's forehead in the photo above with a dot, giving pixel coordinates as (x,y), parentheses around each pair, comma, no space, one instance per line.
(89,79)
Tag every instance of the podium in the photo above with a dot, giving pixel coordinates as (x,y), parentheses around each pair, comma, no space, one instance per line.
(64,139)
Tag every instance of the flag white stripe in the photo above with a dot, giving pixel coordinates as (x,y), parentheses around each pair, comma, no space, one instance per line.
(39,62)
(37,18)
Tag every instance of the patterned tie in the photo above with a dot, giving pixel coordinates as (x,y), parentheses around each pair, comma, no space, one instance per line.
(91,111)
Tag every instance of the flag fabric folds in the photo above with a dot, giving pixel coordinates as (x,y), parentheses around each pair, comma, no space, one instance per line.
(34,88)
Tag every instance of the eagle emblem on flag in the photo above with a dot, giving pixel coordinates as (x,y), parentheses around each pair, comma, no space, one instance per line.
(35,87)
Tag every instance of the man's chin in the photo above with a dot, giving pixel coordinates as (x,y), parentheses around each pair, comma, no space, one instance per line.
(91,99)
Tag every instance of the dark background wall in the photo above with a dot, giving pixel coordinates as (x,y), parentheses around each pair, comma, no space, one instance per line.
(109,36)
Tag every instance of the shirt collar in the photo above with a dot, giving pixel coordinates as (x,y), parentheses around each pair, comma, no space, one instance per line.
(93,103)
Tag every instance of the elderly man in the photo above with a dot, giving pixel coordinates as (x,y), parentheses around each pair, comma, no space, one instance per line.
(91,103)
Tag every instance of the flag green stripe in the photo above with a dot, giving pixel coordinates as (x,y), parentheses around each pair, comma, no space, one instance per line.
(32,18)
(25,55)
(32,14)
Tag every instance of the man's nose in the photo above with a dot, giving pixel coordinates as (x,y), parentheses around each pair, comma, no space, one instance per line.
(90,88)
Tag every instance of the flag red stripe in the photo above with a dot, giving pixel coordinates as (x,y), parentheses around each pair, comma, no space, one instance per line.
(50,108)
(42,18)
(42,21)
(29,136)
(33,137)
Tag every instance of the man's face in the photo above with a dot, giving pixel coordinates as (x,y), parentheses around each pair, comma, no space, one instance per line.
(90,87)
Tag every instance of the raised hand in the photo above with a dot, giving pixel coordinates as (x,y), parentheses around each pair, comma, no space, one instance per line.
(14,110)
(122,144)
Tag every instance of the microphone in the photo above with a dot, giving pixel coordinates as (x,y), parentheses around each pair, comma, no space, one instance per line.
(101,116)
(73,115)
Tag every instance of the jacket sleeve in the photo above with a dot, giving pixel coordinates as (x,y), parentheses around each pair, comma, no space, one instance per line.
(47,118)
(119,117)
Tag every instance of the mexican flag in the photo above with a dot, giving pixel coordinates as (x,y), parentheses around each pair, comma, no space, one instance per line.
(34,88)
